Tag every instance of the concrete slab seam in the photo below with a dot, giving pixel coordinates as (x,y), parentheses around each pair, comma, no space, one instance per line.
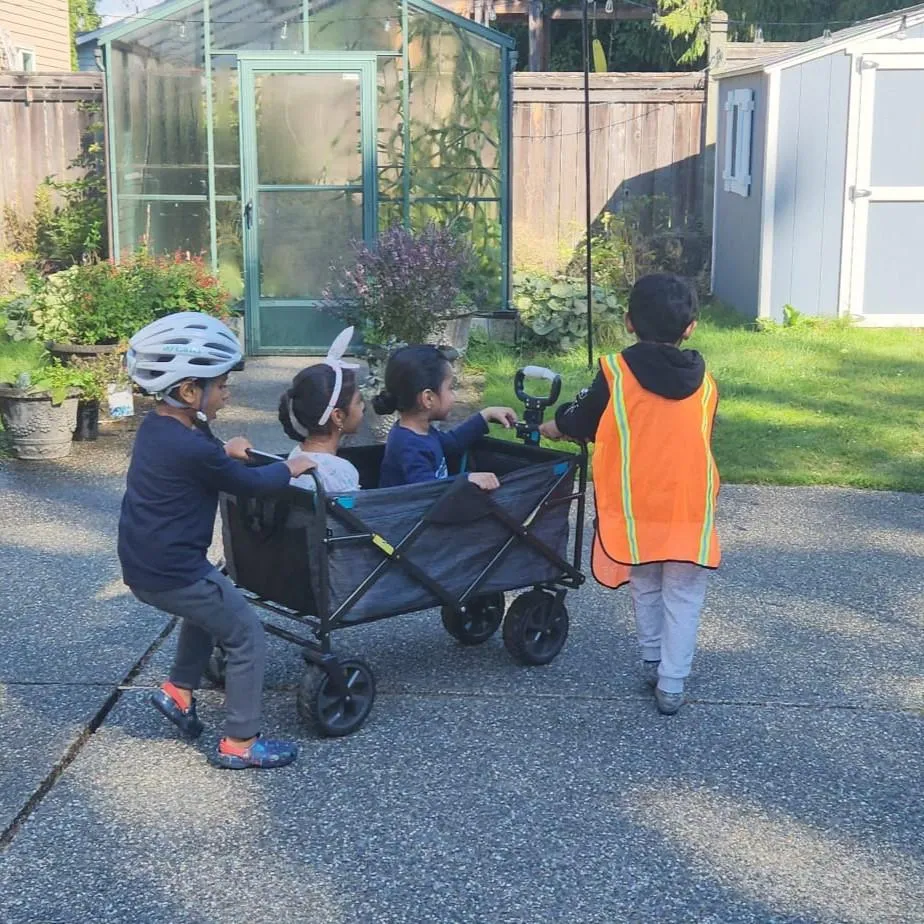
(70,754)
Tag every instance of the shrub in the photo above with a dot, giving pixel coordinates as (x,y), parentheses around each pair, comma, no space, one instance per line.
(405,287)
(553,310)
(102,302)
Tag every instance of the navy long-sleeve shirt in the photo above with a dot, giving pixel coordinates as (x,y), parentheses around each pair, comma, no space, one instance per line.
(412,457)
(171,497)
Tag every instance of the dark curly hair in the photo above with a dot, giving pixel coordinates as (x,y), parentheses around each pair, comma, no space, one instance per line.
(410,371)
(307,399)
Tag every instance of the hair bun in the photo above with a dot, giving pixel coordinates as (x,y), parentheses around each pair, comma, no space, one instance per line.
(384,403)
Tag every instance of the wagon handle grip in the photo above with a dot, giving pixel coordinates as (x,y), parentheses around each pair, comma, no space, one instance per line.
(537,372)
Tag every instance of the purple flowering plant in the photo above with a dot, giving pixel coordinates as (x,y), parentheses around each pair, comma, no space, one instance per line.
(404,287)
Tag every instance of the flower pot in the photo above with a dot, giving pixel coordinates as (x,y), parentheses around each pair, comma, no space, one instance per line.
(65,352)
(39,429)
(454,333)
(87,421)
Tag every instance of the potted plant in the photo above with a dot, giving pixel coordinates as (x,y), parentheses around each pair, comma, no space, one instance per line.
(39,410)
(405,288)
(96,374)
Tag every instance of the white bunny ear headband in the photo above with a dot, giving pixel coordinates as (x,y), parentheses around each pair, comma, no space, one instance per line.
(334,360)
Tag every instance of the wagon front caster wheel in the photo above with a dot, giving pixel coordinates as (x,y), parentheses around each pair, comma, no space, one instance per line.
(535,628)
(477,621)
(217,667)
(332,712)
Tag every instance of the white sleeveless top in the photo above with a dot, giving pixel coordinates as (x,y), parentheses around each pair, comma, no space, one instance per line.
(336,474)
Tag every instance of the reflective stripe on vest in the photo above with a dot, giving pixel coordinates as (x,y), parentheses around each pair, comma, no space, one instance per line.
(653,505)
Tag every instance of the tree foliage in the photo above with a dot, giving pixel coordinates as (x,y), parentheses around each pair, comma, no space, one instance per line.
(83,18)
(780,20)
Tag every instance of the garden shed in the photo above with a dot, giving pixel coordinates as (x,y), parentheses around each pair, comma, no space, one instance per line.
(267,135)
(819,193)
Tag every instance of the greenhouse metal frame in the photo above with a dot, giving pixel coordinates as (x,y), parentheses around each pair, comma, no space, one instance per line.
(267,135)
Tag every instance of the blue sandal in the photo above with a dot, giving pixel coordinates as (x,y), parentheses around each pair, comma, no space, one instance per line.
(263,754)
(185,720)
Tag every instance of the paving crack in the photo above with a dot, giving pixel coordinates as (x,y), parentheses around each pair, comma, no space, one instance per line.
(74,748)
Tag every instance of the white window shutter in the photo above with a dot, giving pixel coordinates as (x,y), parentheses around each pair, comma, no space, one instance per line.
(740,108)
(728,172)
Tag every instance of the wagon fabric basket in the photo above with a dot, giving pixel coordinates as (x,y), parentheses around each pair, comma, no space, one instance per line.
(274,547)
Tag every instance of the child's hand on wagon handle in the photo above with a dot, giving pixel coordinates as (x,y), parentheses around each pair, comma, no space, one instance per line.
(549,430)
(506,416)
(237,447)
(487,481)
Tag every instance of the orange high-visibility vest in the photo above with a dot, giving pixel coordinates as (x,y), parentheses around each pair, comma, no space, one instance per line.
(655,479)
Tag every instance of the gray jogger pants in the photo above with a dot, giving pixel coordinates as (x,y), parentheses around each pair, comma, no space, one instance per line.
(668,599)
(214,610)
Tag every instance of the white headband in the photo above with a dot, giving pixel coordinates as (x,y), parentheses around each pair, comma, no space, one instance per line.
(334,360)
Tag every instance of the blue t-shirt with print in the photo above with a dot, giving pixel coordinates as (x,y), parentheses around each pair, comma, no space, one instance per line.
(414,457)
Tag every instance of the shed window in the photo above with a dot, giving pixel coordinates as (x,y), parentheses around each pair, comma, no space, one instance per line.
(739,109)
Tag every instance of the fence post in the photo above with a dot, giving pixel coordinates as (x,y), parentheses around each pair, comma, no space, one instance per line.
(536,35)
(718,40)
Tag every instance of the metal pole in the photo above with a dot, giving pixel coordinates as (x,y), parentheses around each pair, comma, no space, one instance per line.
(585,35)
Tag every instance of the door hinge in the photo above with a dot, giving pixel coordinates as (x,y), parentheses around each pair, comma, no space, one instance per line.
(859,193)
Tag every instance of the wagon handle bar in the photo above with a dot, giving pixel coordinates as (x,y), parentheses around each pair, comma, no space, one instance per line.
(537,372)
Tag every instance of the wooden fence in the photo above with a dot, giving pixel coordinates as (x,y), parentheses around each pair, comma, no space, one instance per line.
(646,139)
(646,143)
(42,120)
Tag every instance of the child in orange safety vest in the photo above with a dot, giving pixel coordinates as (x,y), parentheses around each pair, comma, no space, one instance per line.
(650,412)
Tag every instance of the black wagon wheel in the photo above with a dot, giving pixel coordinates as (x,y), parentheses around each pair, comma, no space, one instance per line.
(535,628)
(332,712)
(217,667)
(475,622)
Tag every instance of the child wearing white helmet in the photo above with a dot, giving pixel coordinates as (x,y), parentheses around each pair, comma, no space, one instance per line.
(177,470)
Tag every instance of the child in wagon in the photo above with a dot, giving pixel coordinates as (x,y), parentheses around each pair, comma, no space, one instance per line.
(419,386)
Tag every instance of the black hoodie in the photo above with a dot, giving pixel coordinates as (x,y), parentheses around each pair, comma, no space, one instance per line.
(665,370)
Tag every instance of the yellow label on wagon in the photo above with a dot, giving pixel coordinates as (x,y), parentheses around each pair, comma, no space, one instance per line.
(383,544)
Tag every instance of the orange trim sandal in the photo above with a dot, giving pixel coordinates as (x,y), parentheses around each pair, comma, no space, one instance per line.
(169,702)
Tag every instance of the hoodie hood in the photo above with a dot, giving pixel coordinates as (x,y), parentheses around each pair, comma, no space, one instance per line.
(666,370)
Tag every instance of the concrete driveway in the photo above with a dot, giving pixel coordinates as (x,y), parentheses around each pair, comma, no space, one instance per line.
(788,790)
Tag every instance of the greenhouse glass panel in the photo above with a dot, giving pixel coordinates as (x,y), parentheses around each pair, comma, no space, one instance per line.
(257,25)
(308,129)
(354,25)
(159,130)
(390,142)
(165,227)
(226,125)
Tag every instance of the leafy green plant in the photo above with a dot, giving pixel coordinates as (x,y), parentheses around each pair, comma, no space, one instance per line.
(57,380)
(553,310)
(105,303)
(67,222)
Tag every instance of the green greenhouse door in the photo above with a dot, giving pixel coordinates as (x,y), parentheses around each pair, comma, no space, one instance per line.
(308,156)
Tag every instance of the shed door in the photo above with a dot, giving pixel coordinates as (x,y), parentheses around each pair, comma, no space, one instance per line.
(308,155)
(887,267)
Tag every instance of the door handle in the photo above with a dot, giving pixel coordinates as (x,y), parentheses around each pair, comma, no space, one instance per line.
(248,214)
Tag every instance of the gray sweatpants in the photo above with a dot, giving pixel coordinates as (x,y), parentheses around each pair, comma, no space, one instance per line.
(668,599)
(214,610)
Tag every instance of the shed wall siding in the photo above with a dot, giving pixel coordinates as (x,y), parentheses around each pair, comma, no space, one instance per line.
(737,218)
(810,186)
(43,26)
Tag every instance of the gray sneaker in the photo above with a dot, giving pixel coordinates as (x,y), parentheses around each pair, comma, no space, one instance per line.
(650,672)
(668,703)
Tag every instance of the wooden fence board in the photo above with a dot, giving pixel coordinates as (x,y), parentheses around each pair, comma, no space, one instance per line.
(645,142)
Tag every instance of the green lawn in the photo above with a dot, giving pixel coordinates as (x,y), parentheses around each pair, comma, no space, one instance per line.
(798,405)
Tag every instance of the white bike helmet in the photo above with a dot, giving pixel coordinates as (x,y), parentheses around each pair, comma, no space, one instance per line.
(181,346)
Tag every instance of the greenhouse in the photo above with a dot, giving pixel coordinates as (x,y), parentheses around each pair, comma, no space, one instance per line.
(268,135)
